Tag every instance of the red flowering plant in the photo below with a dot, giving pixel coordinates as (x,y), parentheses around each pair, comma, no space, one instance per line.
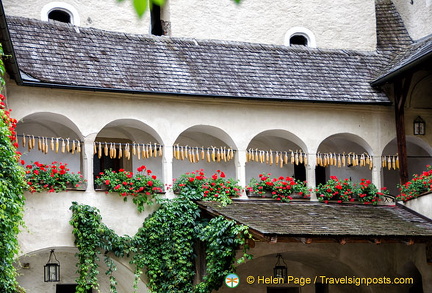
(143,187)
(366,192)
(54,177)
(418,185)
(281,188)
(196,186)
(335,189)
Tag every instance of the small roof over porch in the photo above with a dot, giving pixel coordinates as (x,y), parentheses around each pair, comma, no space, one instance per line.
(309,222)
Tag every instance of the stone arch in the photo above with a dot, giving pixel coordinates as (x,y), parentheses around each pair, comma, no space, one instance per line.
(133,135)
(344,144)
(49,128)
(205,137)
(279,142)
(30,271)
(419,155)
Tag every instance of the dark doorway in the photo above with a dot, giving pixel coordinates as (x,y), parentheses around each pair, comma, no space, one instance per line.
(283,290)
(320,175)
(68,288)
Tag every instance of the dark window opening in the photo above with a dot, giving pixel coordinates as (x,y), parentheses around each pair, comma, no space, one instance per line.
(298,40)
(321,288)
(283,290)
(320,175)
(156,22)
(68,288)
(300,172)
(60,15)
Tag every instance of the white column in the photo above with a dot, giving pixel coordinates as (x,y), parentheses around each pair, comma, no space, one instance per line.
(376,171)
(87,161)
(241,170)
(167,169)
(310,175)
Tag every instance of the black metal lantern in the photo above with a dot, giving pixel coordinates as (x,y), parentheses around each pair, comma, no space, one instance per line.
(52,269)
(280,270)
(419,126)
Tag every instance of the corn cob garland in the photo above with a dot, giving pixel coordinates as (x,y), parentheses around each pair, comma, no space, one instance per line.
(343,160)
(47,144)
(197,154)
(277,158)
(116,150)
(390,162)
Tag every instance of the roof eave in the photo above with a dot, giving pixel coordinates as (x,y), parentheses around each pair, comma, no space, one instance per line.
(9,56)
(392,74)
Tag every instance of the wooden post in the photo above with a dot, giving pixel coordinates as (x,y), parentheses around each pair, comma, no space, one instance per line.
(401,87)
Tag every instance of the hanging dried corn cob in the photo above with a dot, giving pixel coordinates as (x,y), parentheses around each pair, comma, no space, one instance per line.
(362,160)
(300,157)
(208,155)
(114,151)
(296,158)
(120,151)
(52,144)
(202,153)
(67,145)
(138,151)
(305,159)
(397,161)
(39,143)
(100,150)
(73,146)
(105,149)
(78,146)
(24,140)
(394,163)
(384,162)
(127,152)
(281,161)
(46,145)
(63,146)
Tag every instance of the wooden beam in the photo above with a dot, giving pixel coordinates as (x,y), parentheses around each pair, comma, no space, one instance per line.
(401,88)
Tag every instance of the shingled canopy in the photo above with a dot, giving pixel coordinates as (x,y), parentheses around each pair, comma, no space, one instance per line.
(62,55)
(308,222)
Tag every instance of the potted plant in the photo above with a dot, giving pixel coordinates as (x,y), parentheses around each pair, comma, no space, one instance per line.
(418,185)
(368,193)
(336,189)
(280,188)
(196,186)
(143,187)
(54,177)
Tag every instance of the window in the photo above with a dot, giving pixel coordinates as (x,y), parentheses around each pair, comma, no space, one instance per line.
(59,15)
(156,22)
(300,36)
(60,11)
(298,40)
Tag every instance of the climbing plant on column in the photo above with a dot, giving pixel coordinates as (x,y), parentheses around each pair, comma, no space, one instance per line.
(11,198)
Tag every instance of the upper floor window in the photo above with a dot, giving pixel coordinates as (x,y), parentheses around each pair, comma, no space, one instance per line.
(60,15)
(60,11)
(300,36)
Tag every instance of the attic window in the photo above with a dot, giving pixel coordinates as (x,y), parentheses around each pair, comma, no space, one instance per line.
(156,23)
(298,40)
(300,36)
(59,15)
(60,11)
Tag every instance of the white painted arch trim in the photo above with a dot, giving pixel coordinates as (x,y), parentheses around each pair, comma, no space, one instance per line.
(75,18)
(300,31)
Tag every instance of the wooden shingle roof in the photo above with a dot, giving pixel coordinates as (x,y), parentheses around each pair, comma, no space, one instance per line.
(270,219)
(56,54)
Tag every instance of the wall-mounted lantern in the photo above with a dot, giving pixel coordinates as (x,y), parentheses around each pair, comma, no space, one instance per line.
(419,126)
(280,270)
(52,269)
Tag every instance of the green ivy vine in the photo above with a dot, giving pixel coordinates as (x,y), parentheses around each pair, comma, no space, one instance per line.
(164,248)
(11,200)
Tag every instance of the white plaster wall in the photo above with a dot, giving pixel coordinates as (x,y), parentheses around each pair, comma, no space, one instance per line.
(107,15)
(31,277)
(416,16)
(350,25)
(47,217)
(345,25)
(421,205)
